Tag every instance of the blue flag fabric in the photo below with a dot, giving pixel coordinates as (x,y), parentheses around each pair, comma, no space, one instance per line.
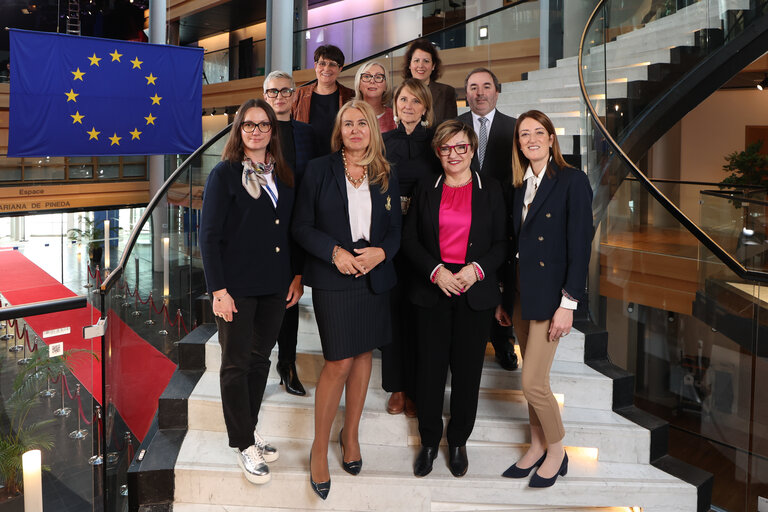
(83,96)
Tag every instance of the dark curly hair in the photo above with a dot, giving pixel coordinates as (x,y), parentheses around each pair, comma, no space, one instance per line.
(424,45)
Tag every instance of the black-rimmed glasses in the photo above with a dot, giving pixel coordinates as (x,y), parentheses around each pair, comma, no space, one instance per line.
(378,77)
(249,127)
(285,92)
(459,148)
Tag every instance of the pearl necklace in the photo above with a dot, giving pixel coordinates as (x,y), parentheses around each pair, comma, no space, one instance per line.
(354,181)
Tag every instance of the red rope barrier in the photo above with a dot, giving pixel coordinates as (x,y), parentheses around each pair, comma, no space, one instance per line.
(143,302)
(91,276)
(26,336)
(80,410)
(66,384)
(152,304)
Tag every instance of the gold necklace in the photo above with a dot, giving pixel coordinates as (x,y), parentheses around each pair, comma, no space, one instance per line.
(354,181)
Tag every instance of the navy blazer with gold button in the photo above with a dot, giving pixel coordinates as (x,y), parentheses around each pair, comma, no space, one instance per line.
(486,245)
(321,222)
(553,243)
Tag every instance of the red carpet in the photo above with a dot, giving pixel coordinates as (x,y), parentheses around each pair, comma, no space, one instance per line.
(139,371)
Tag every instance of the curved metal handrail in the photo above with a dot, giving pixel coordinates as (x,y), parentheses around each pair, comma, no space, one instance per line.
(110,281)
(721,254)
(431,34)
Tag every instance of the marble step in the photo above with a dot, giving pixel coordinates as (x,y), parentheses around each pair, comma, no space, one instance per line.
(436,507)
(626,73)
(206,472)
(562,106)
(502,419)
(531,94)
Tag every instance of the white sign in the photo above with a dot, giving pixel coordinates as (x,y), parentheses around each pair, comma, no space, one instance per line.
(762,504)
(56,332)
(55,349)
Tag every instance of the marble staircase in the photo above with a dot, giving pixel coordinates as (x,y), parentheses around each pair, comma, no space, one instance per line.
(610,454)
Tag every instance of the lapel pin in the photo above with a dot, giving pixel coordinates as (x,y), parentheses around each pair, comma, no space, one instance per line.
(388,205)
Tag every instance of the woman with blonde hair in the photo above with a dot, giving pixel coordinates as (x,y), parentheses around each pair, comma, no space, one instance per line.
(347,219)
(550,238)
(410,152)
(371,86)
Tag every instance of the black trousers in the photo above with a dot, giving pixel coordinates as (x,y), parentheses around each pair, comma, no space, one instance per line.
(451,335)
(398,359)
(288,337)
(246,343)
(500,336)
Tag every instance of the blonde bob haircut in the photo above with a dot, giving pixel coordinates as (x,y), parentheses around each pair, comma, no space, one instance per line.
(421,91)
(519,162)
(387,96)
(378,167)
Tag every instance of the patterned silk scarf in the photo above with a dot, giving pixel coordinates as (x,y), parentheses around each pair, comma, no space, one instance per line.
(254,175)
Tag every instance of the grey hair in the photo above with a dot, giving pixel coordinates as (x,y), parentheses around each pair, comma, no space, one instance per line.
(276,74)
(387,96)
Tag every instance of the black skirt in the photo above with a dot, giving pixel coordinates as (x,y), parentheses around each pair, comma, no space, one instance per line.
(352,321)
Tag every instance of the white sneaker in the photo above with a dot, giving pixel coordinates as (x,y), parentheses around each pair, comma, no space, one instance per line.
(268,451)
(253,465)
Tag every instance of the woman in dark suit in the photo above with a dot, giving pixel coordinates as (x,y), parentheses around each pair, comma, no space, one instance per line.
(422,62)
(409,150)
(348,220)
(244,241)
(455,239)
(551,234)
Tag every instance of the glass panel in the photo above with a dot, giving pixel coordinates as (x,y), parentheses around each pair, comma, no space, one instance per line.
(216,67)
(108,167)
(43,168)
(134,166)
(10,168)
(80,167)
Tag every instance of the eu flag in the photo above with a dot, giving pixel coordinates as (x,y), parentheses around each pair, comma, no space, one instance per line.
(83,96)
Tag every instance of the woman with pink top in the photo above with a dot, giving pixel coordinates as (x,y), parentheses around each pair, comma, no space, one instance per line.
(455,240)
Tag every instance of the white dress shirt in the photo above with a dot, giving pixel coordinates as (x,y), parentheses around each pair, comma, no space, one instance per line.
(359,202)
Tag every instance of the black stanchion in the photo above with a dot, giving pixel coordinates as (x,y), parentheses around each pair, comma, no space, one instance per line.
(80,433)
(62,411)
(97,459)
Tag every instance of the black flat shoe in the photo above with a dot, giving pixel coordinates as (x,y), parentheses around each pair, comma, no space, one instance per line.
(457,460)
(321,488)
(516,472)
(290,378)
(423,464)
(507,358)
(540,482)
(352,467)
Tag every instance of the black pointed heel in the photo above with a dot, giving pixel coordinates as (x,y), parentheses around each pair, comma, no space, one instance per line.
(514,471)
(321,488)
(352,467)
(290,379)
(540,482)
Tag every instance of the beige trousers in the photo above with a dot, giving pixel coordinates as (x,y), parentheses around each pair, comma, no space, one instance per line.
(538,353)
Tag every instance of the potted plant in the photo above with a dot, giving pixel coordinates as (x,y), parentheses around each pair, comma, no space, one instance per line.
(19,433)
(92,236)
(748,167)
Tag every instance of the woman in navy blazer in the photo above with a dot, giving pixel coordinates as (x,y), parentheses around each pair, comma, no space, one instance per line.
(455,238)
(550,234)
(245,245)
(347,218)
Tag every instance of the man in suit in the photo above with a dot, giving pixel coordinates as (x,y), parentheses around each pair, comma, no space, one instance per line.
(492,158)
(297,141)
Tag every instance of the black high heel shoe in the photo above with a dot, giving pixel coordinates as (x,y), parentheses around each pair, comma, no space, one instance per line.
(514,471)
(290,378)
(541,482)
(321,488)
(352,467)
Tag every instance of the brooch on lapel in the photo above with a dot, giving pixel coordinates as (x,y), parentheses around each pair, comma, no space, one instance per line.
(388,204)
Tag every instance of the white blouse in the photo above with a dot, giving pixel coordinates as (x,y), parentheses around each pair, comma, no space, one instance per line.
(359,202)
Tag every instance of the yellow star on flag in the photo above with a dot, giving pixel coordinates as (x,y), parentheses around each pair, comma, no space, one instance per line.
(94,60)
(78,74)
(135,134)
(155,99)
(150,119)
(116,56)
(136,63)
(151,79)
(72,95)
(115,140)
(93,134)
(77,117)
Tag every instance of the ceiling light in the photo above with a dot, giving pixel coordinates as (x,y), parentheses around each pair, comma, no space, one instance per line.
(764,84)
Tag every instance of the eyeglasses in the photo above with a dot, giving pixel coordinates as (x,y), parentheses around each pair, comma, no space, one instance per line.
(327,63)
(285,92)
(459,148)
(249,127)
(378,77)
